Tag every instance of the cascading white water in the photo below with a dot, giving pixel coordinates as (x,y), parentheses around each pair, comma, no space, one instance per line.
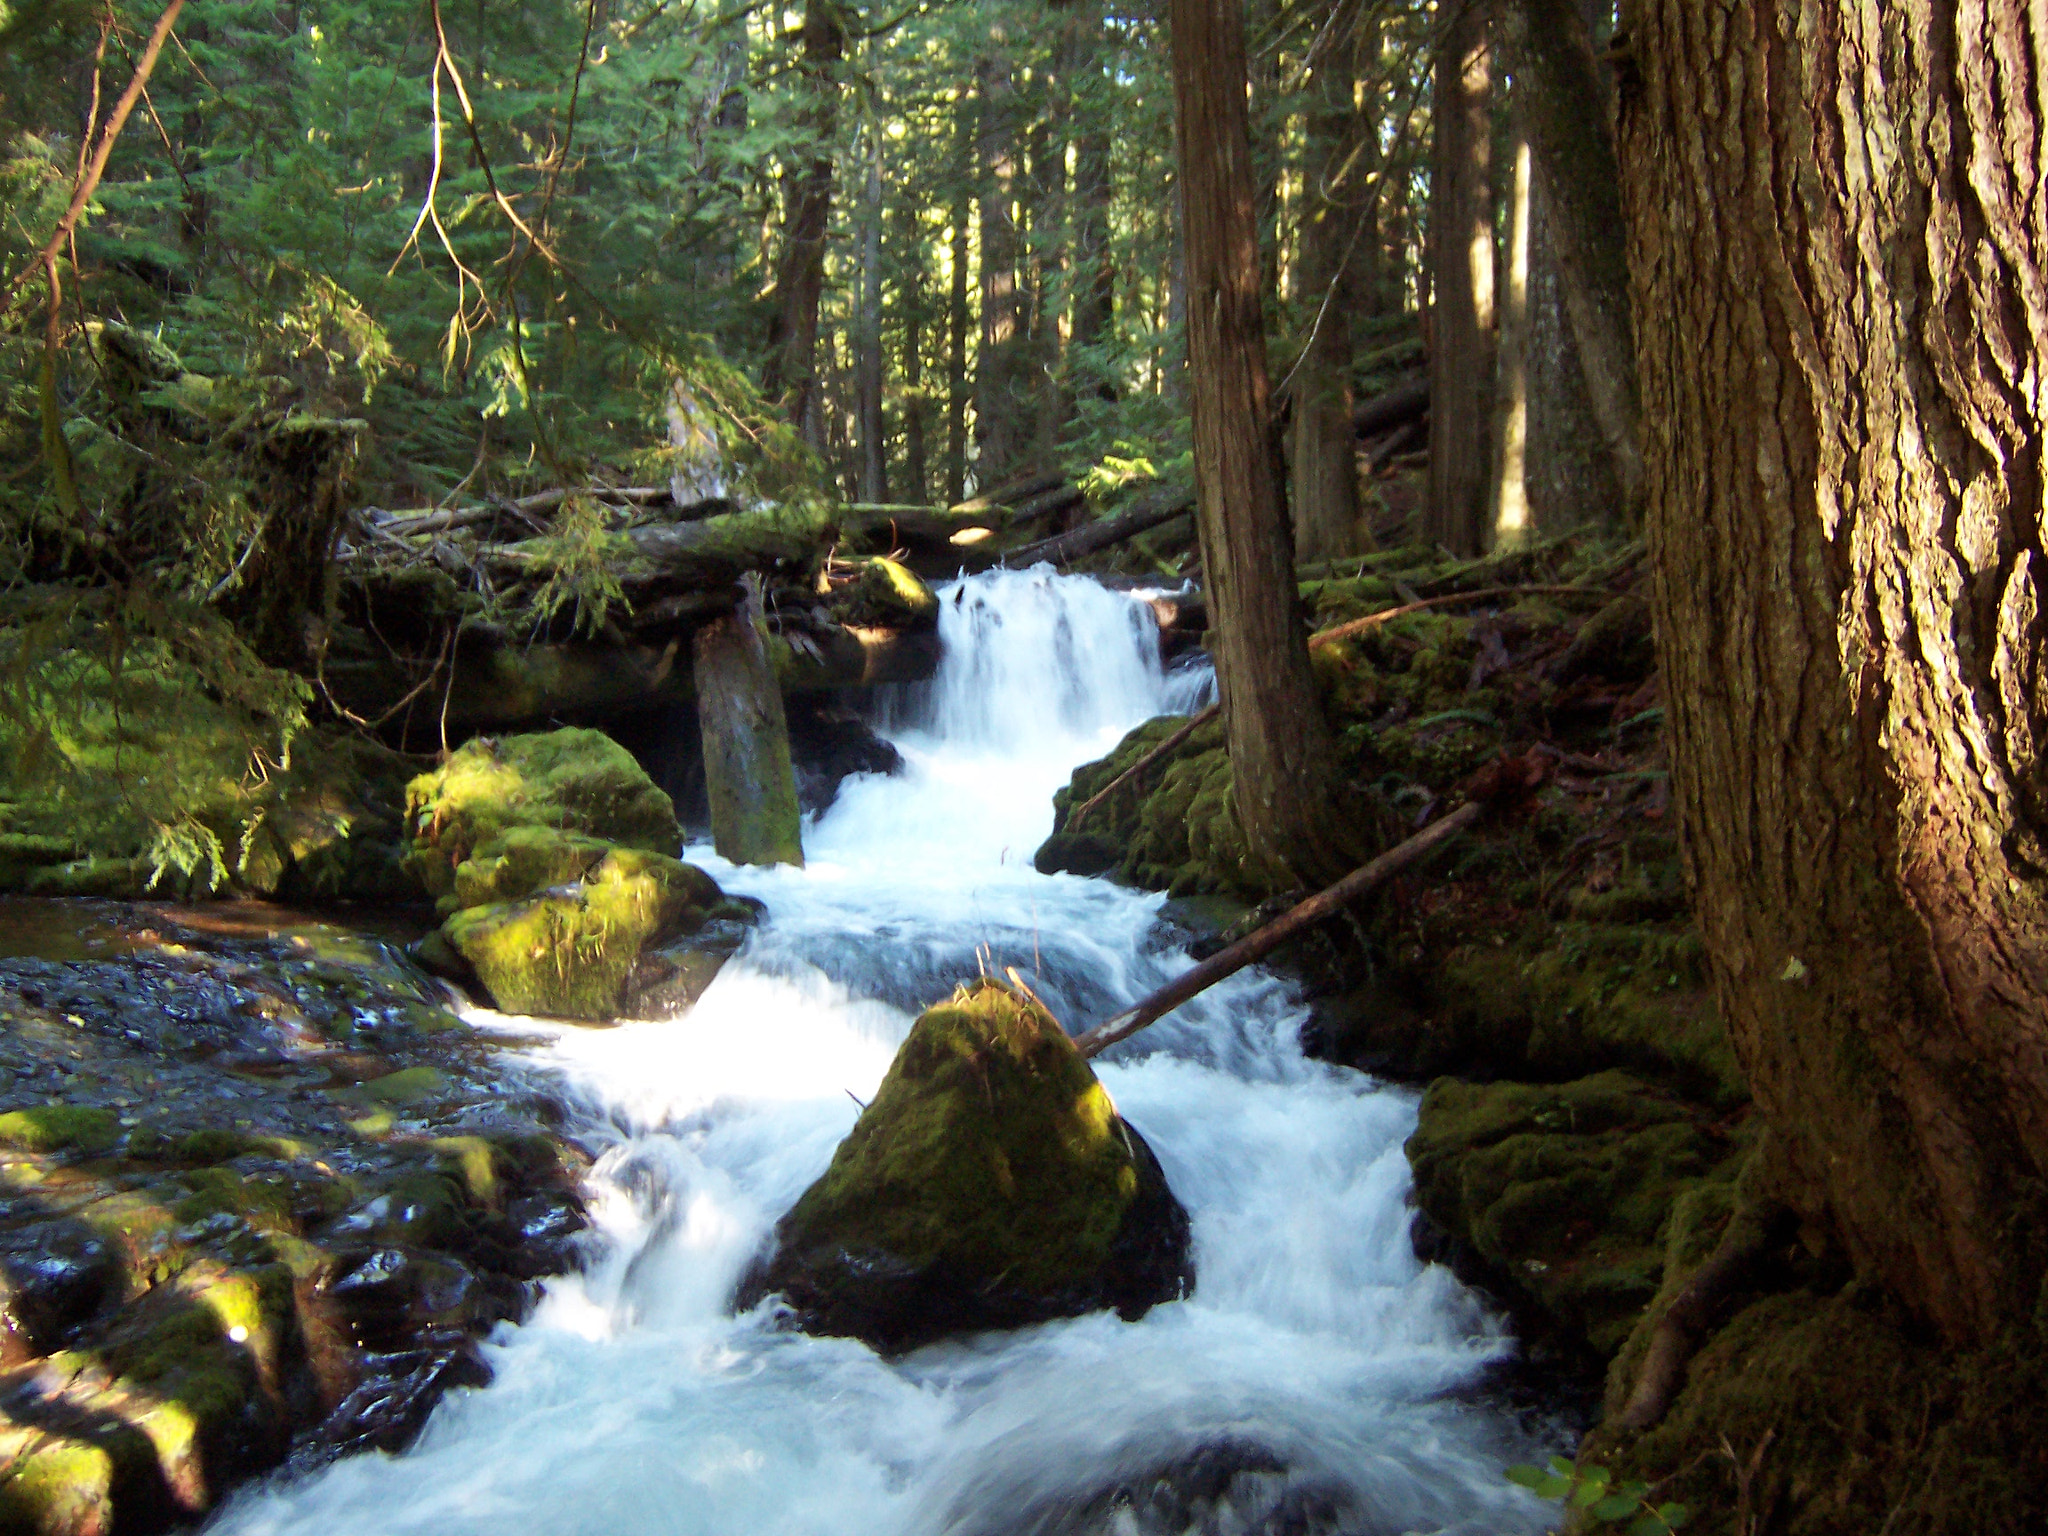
(1310,1384)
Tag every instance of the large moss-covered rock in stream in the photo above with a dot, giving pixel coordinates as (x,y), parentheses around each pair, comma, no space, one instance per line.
(990,1184)
(1561,1193)
(566,945)
(567,781)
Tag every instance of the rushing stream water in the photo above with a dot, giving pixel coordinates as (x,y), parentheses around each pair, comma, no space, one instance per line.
(1315,1380)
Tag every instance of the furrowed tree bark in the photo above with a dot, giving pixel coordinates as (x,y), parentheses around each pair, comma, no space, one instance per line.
(1563,108)
(1324,469)
(1840,273)
(1284,786)
(1461,341)
(800,279)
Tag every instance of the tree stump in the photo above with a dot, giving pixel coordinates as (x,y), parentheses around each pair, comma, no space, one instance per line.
(747,772)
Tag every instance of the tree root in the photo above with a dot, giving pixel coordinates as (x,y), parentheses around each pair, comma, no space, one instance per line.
(1751,1234)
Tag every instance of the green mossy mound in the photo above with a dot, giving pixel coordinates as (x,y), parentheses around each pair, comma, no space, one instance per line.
(568,950)
(567,781)
(990,1184)
(1562,1194)
(885,595)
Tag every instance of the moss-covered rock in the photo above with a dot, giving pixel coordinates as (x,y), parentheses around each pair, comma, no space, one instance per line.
(990,1184)
(566,781)
(1562,1192)
(885,595)
(567,950)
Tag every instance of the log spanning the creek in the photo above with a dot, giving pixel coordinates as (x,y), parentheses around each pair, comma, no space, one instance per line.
(1255,946)
(748,776)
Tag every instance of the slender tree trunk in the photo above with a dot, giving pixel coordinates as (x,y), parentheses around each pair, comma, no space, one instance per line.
(1284,787)
(1563,108)
(1094,260)
(1509,525)
(1840,278)
(1000,426)
(957,310)
(1461,340)
(800,279)
(1324,466)
(867,360)
(916,408)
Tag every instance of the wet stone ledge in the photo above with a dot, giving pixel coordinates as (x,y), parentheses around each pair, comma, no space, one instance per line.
(261,1196)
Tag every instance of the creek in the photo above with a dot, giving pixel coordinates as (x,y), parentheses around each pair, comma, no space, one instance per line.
(1319,1379)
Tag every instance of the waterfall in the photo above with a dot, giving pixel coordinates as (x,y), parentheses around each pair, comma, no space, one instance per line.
(1320,1379)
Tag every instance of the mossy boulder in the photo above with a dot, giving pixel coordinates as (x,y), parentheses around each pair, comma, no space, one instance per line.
(567,950)
(885,595)
(1561,1193)
(569,780)
(990,1184)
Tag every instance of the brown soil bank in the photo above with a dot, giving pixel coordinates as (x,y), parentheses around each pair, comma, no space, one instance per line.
(1585,1143)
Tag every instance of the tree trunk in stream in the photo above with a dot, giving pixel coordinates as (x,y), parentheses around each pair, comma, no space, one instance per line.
(747,770)
(1841,292)
(1461,318)
(1284,785)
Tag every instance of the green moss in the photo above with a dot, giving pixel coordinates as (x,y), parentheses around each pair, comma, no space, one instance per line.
(567,780)
(885,595)
(55,1485)
(414,1085)
(989,1149)
(1564,1190)
(567,953)
(57,1127)
(522,860)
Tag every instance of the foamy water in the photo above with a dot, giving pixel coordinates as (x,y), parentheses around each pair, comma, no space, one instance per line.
(1316,1354)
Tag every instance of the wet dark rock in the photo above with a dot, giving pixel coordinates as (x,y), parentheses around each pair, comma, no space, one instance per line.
(990,1184)
(668,981)
(263,1182)
(1076,853)
(388,1408)
(828,744)
(53,1275)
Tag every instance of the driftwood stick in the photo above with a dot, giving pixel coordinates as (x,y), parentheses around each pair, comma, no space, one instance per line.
(1195,723)
(1254,947)
(1750,1235)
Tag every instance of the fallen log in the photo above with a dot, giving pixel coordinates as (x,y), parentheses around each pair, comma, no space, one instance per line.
(1402,440)
(1396,408)
(1254,947)
(1065,548)
(1009,494)
(429,520)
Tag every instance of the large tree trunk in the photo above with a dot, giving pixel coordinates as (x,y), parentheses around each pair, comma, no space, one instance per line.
(1094,260)
(1838,255)
(1324,467)
(800,278)
(1563,108)
(1461,331)
(1509,523)
(1284,785)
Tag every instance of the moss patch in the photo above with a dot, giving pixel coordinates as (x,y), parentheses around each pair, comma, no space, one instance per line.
(573,781)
